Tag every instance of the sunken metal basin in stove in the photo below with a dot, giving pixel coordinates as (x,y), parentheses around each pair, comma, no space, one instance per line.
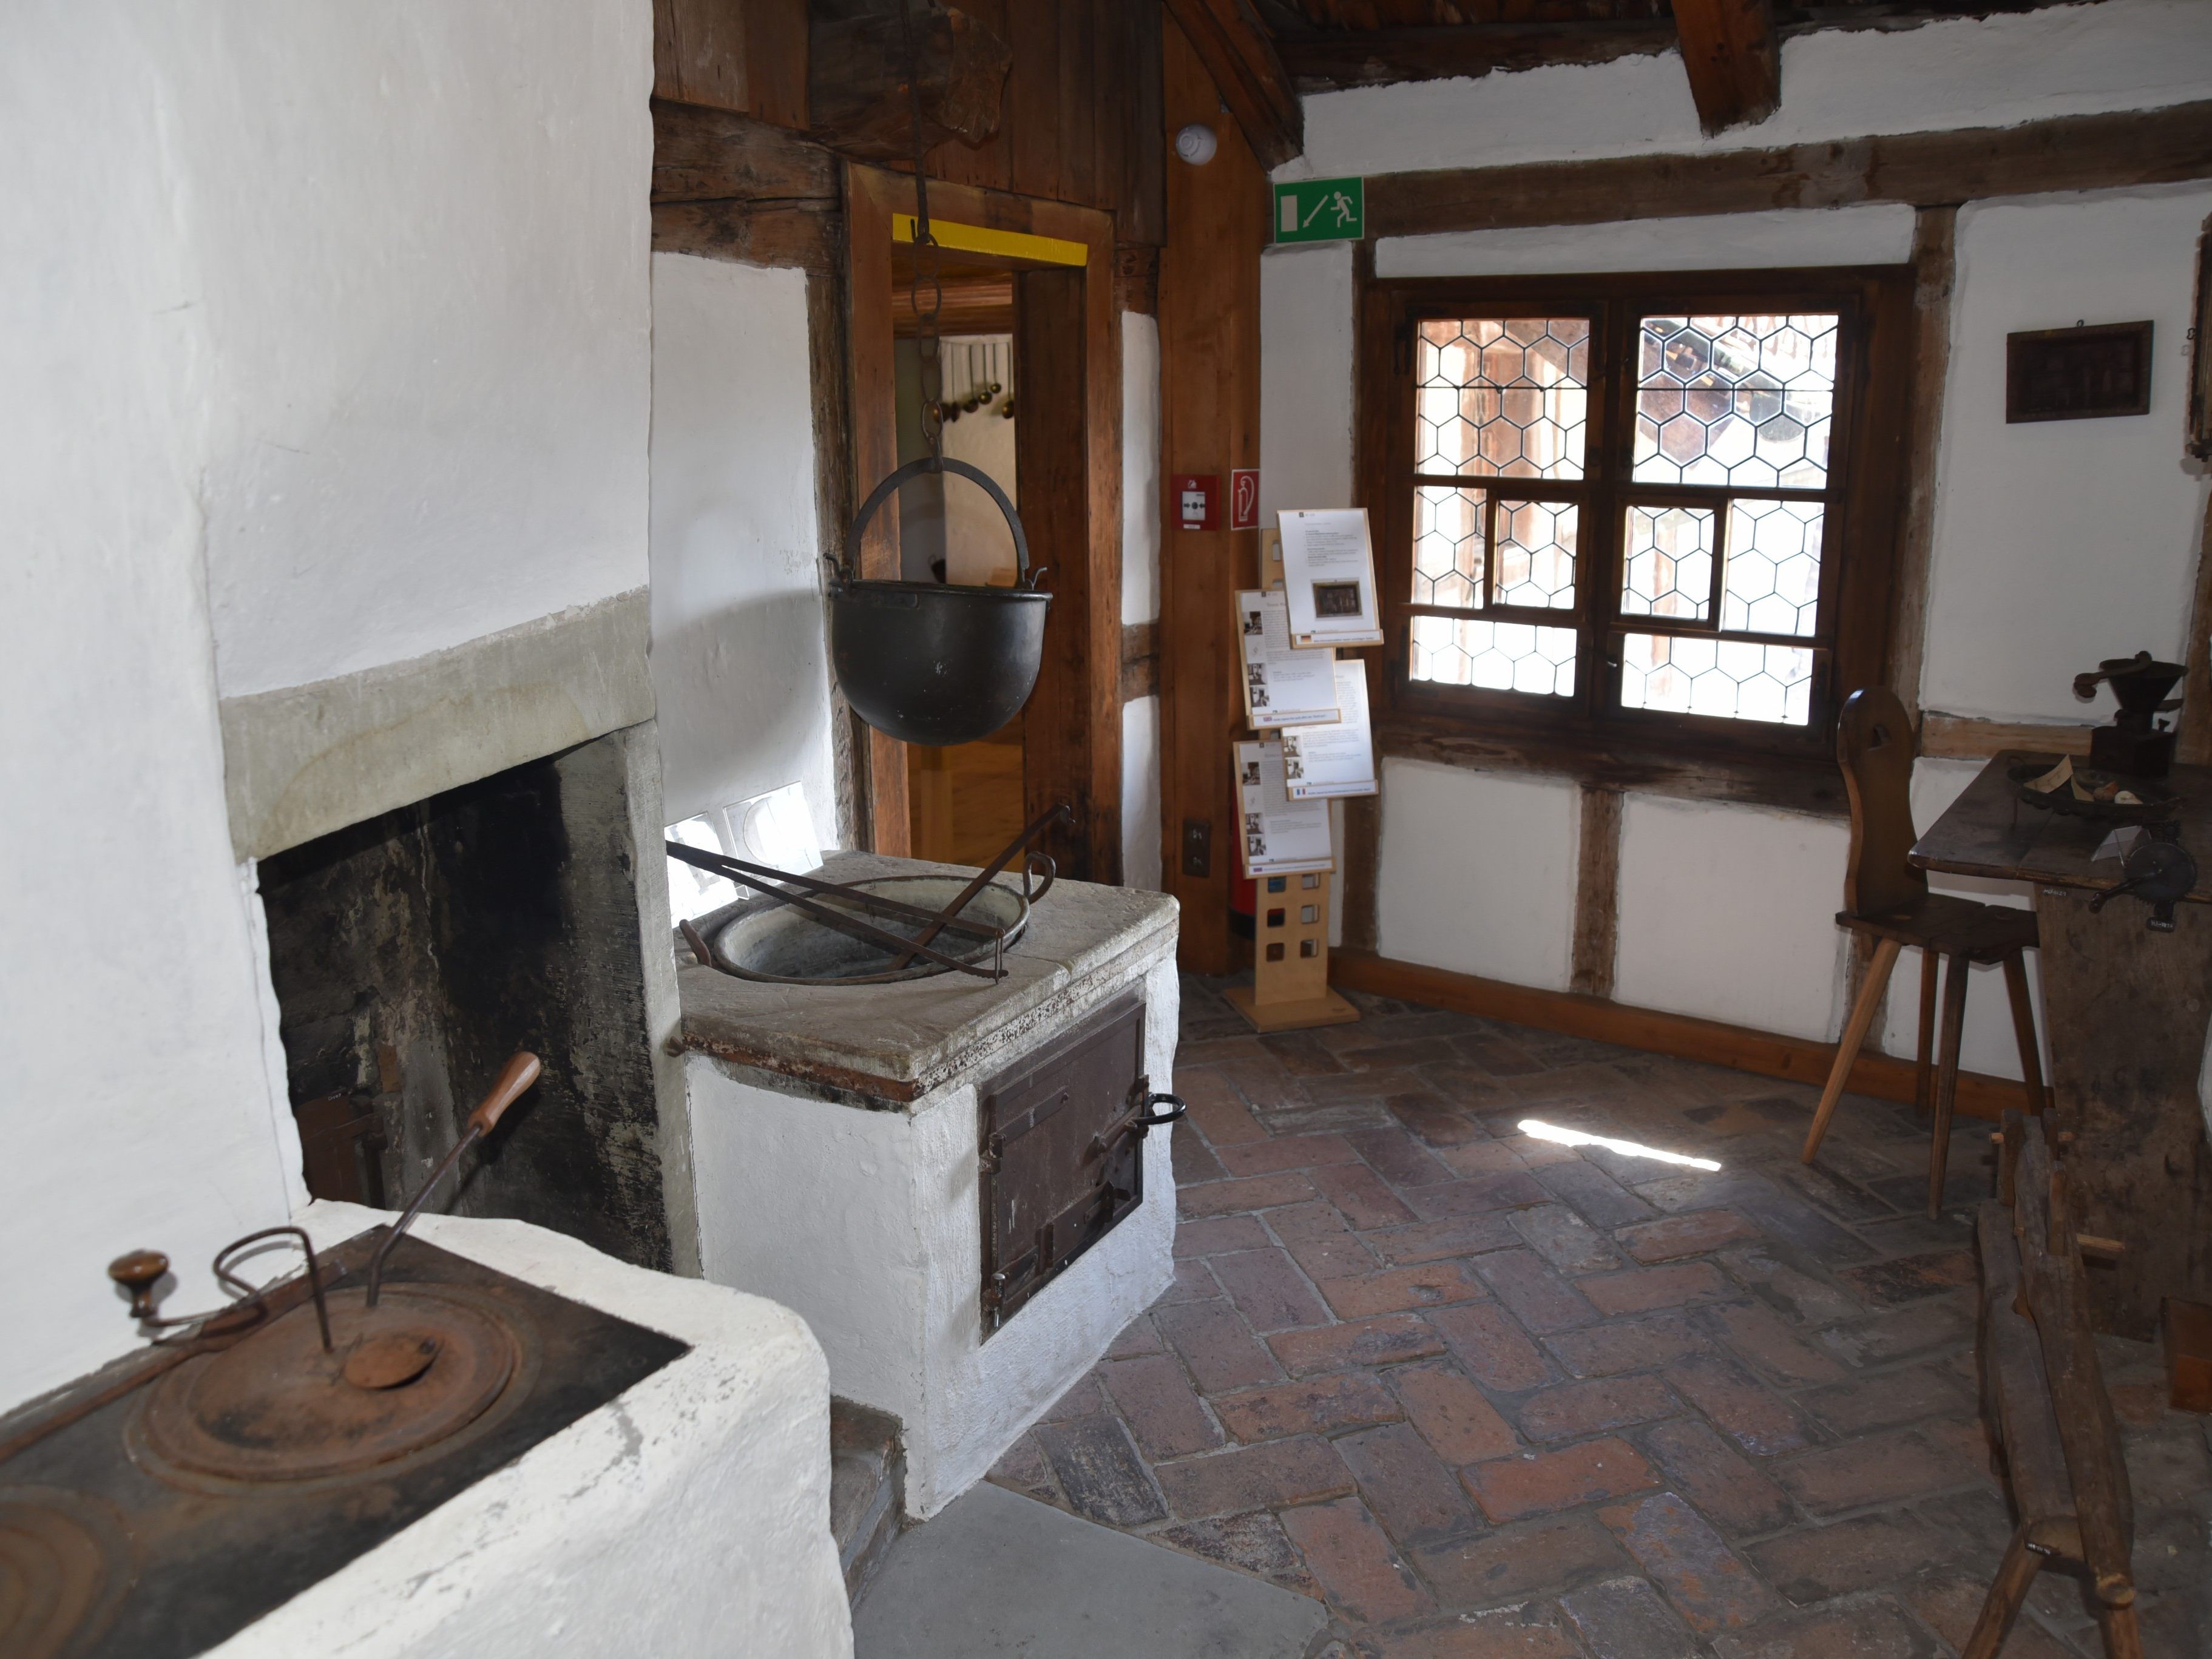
(213,1488)
(763,938)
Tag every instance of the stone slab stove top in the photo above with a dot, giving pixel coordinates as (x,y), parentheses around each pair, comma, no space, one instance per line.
(160,1522)
(897,1042)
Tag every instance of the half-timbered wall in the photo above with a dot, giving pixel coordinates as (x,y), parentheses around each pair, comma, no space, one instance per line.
(2045,546)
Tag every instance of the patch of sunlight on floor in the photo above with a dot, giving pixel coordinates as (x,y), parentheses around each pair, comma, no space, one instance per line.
(1540,1130)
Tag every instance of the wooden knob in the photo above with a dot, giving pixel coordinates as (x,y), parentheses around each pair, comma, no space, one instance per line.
(138,1273)
(521,1073)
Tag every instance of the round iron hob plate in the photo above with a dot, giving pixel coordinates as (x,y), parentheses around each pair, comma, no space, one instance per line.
(65,1563)
(274,1411)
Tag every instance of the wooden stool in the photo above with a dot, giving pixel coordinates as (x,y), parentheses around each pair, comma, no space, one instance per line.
(1888,900)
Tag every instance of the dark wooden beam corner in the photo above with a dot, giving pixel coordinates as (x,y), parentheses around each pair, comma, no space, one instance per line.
(726,186)
(1369,58)
(857,99)
(1141,660)
(1240,57)
(1733,60)
(705,155)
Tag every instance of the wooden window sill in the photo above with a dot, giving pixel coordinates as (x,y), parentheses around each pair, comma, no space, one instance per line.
(1808,784)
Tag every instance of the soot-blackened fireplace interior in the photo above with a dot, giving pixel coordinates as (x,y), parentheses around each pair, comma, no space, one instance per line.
(414,952)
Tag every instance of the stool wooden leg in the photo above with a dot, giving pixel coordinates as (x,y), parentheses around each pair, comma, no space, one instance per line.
(1855,1030)
(2122,1634)
(1924,1096)
(2023,1028)
(1955,975)
(2016,1574)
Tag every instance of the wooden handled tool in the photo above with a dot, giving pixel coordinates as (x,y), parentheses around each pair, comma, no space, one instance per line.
(517,1075)
(514,1080)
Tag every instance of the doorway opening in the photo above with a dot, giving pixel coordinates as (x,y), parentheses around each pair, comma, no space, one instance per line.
(1030,359)
(965,803)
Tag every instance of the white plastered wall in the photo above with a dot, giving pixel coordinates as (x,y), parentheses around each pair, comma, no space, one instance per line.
(324,344)
(1727,913)
(1478,872)
(2058,543)
(419,233)
(740,659)
(869,1224)
(2019,600)
(1141,593)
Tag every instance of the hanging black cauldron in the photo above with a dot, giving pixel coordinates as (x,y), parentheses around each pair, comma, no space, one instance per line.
(927,662)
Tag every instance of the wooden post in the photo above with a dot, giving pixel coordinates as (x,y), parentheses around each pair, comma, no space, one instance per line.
(1209,320)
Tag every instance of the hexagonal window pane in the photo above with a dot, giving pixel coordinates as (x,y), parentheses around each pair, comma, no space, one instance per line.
(1772,582)
(1536,553)
(1447,547)
(1498,656)
(1727,679)
(1506,395)
(1669,564)
(1741,401)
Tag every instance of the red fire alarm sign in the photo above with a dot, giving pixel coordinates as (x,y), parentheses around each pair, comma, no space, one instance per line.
(1244,498)
(1197,494)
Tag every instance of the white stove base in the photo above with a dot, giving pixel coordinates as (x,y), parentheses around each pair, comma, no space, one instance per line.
(870,1223)
(689,1516)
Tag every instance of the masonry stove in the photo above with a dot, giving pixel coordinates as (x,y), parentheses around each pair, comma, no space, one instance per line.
(949,1177)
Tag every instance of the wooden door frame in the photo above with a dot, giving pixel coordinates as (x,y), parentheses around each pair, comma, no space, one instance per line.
(1073,754)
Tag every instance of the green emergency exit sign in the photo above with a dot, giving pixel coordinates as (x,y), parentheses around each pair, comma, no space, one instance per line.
(1320,211)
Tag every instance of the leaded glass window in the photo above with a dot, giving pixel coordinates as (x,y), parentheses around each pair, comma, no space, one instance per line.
(1625,507)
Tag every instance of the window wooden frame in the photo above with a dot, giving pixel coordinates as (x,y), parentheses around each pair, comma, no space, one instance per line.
(1587,736)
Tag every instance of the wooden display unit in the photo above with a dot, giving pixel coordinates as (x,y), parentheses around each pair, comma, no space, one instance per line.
(1289,957)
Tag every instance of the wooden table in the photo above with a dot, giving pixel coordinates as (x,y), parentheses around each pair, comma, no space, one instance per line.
(2126,1010)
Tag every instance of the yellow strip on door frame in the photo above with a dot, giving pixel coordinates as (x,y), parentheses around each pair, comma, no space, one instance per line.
(1005,244)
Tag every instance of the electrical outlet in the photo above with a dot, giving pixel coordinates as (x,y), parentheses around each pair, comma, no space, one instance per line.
(1198,847)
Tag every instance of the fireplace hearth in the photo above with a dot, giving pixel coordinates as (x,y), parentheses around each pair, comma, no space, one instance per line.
(411,953)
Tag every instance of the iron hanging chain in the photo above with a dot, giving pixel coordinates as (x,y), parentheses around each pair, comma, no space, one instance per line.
(929,350)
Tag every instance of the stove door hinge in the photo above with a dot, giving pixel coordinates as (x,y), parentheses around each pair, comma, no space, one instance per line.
(987,1162)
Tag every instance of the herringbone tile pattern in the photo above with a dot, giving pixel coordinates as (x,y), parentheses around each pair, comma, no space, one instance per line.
(1486,1393)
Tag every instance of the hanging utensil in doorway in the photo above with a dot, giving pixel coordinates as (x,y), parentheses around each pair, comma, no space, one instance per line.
(931,662)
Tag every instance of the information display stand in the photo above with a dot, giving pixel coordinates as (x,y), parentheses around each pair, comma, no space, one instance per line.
(1290,989)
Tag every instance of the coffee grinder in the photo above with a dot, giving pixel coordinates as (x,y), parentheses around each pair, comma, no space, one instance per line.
(2136,743)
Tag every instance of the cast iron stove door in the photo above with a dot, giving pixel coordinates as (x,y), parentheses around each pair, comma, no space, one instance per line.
(1063,1138)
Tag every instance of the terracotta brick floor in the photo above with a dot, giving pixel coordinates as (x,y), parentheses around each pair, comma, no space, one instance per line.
(1486,1395)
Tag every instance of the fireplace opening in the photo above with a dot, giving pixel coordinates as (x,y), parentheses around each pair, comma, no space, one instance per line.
(414,952)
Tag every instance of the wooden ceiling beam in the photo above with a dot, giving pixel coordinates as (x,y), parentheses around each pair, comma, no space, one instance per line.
(1317,62)
(1240,57)
(1733,59)
(2117,151)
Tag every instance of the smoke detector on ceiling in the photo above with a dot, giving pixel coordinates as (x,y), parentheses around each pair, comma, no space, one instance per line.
(1196,143)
